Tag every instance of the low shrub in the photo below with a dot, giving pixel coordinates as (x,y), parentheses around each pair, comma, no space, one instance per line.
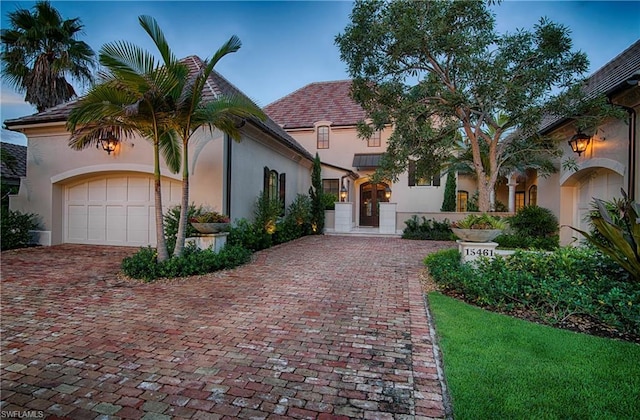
(249,235)
(171,220)
(427,229)
(143,264)
(15,227)
(532,227)
(329,201)
(553,285)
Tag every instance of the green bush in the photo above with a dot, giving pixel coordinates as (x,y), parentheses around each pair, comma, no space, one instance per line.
(15,227)
(427,229)
(329,201)
(171,220)
(267,211)
(532,227)
(554,285)
(249,235)
(143,264)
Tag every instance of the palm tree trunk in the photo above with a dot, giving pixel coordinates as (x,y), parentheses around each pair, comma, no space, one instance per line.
(161,246)
(184,207)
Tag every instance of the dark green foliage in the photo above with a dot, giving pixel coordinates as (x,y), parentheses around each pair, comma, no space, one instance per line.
(427,229)
(317,201)
(15,228)
(554,285)
(618,226)
(532,227)
(449,202)
(249,235)
(329,201)
(144,265)
(267,211)
(296,223)
(171,221)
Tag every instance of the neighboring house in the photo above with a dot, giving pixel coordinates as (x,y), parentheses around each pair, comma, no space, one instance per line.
(15,167)
(322,117)
(95,197)
(612,158)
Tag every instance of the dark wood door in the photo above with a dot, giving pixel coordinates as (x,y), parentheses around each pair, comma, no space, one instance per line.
(370,196)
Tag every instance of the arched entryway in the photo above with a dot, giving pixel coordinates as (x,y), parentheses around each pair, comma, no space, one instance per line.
(370,195)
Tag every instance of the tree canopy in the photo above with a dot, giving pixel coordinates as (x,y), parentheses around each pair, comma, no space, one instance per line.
(438,71)
(40,51)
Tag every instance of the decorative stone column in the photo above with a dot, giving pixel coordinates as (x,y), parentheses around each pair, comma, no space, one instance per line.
(512,192)
(388,218)
(343,217)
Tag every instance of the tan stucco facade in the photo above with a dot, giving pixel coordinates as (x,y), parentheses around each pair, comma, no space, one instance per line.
(63,185)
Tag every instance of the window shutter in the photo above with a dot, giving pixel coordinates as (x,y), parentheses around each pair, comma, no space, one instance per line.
(412,173)
(436,180)
(283,189)
(265,181)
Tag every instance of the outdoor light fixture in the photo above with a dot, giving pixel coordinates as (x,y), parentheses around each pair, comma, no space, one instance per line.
(387,192)
(343,194)
(109,142)
(579,142)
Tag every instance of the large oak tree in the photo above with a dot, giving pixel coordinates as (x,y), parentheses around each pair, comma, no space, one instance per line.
(438,69)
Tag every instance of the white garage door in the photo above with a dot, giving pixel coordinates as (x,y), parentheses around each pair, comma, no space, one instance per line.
(116,210)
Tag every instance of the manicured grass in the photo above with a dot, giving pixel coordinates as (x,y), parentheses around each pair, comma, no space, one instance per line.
(501,367)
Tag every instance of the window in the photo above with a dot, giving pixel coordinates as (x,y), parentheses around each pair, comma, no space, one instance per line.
(519,200)
(275,185)
(415,181)
(323,137)
(374,140)
(463,199)
(533,195)
(331,186)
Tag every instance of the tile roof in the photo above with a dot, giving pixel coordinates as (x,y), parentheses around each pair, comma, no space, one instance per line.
(366,160)
(609,78)
(216,85)
(321,101)
(18,168)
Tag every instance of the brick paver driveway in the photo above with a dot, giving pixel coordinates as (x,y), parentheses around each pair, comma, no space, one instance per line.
(322,327)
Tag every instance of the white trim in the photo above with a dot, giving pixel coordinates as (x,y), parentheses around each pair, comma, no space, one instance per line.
(568,178)
(109,167)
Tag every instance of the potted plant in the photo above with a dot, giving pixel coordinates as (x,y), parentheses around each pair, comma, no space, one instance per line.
(210,222)
(478,228)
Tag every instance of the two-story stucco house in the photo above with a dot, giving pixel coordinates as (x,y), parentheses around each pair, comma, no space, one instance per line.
(98,197)
(322,117)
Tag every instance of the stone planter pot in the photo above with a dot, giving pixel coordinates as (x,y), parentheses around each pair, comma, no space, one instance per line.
(210,227)
(476,235)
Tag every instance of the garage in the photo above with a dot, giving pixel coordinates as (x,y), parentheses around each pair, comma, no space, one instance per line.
(599,182)
(115,210)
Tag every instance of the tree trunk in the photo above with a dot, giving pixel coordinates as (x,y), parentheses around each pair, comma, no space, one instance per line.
(184,207)
(161,246)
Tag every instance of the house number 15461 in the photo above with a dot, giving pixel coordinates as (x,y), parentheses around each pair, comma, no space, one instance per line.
(480,252)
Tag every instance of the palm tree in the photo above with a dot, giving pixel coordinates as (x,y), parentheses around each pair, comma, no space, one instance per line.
(225,112)
(40,51)
(136,95)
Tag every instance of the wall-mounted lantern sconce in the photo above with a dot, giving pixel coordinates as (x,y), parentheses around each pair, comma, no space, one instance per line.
(343,194)
(387,193)
(579,142)
(109,142)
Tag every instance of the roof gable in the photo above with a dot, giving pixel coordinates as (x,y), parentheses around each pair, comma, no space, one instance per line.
(216,85)
(320,101)
(18,168)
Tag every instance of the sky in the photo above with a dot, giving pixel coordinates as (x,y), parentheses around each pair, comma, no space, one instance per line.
(289,44)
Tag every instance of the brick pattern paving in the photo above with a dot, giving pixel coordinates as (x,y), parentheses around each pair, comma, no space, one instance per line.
(319,328)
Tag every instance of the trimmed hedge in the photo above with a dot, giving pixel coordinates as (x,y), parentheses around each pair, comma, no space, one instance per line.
(554,285)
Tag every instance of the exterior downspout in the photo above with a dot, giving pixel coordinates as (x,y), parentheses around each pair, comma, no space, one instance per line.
(227,209)
(631,185)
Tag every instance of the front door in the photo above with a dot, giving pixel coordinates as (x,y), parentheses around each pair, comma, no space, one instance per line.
(370,196)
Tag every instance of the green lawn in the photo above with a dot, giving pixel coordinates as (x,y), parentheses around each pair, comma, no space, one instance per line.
(498,367)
